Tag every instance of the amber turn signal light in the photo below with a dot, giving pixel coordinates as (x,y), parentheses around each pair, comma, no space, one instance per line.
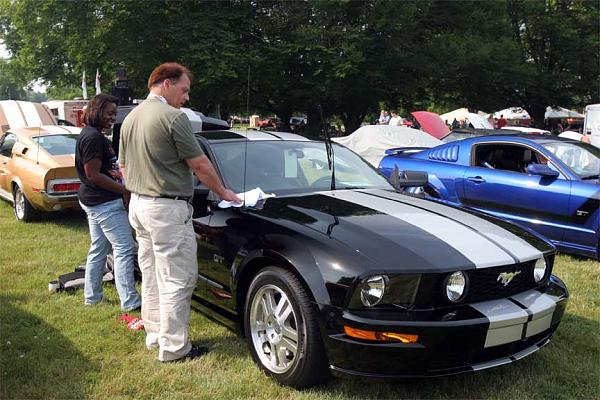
(380,336)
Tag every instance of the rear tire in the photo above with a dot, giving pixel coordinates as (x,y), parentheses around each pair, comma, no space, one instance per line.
(23,209)
(282,330)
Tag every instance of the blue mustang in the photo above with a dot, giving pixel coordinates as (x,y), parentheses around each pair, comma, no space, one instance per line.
(548,184)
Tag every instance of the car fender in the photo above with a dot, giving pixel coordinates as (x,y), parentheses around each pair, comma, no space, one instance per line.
(287,253)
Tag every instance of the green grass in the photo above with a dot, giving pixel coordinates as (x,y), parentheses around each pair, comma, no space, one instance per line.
(52,347)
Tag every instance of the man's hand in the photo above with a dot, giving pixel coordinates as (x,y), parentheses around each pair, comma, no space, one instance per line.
(126,199)
(230,196)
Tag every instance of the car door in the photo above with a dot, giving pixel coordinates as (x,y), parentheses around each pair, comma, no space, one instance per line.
(7,142)
(496,183)
(584,212)
(215,230)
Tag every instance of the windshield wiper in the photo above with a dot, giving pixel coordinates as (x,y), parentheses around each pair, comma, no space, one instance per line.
(329,149)
(595,176)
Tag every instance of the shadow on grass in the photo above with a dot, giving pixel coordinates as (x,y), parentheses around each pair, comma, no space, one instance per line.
(67,218)
(36,360)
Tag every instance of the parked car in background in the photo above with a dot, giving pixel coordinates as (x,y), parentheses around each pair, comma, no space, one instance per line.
(349,275)
(544,183)
(463,133)
(37,170)
(591,123)
(296,121)
(371,141)
(526,129)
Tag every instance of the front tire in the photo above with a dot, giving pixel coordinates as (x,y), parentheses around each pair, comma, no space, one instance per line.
(23,209)
(282,329)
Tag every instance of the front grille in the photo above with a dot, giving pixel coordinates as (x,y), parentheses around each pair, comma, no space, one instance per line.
(485,284)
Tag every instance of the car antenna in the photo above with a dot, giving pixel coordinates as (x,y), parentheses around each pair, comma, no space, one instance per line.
(329,148)
(37,153)
(246,141)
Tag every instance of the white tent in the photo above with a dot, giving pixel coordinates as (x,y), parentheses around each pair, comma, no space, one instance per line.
(459,113)
(512,113)
(560,112)
(371,141)
(478,121)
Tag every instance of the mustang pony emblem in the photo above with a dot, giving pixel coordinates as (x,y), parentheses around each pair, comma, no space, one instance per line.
(505,277)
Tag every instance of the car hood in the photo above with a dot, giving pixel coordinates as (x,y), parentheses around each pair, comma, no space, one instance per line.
(399,232)
(431,123)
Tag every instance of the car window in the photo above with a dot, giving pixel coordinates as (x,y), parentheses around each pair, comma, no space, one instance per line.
(7,143)
(583,159)
(505,157)
(283,167)
(57,145)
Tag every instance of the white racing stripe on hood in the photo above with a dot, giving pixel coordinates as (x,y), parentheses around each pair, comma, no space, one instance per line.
(522,250)
(474,246)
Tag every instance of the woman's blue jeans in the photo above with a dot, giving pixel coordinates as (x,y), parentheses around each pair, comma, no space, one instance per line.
(109,226)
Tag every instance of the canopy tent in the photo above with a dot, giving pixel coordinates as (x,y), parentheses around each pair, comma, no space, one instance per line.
(431,123)
(479,121)
(371,141)
(17,114)
(560,112)
(512,113)
(458,114)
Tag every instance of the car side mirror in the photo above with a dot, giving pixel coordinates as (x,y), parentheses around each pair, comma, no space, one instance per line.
(542,170)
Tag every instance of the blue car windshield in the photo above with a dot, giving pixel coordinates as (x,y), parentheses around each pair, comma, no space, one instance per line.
(582,158)
(286,167)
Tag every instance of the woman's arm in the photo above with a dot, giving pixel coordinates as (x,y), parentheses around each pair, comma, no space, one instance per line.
(92,172)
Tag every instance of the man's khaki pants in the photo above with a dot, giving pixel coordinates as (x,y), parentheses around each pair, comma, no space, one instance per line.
(167,259)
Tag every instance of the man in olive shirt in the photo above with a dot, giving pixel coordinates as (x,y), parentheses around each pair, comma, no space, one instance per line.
(157,153)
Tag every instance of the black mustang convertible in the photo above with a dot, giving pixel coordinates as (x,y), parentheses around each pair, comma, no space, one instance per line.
(348,274)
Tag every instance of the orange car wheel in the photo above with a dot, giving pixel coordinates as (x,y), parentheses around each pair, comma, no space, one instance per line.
(24,211)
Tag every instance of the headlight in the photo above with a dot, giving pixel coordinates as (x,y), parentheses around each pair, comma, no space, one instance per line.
(372,290)
(456,285)
(398,290)
(539,271)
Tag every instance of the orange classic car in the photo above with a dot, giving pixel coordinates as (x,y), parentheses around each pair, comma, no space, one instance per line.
(37,169)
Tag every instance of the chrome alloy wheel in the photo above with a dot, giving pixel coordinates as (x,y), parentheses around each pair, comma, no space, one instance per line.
(274,329)
(19,204)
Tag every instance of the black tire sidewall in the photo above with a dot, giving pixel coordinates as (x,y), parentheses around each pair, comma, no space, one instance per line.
(278,277)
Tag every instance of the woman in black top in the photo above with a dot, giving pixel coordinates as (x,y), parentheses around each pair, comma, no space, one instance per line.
(101,195)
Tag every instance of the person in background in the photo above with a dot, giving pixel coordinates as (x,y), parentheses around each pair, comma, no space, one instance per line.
(158,153)
(396,119)
(455,124)
(501,121)
(384,117)
(101,196)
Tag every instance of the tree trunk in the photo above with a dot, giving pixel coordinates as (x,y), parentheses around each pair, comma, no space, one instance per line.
(351,122)
(314,124)
(536,112)
(284,116)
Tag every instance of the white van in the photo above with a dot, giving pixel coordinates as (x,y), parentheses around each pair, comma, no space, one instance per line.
(591,123)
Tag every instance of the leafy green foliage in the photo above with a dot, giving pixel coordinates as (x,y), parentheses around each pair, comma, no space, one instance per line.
(324,58)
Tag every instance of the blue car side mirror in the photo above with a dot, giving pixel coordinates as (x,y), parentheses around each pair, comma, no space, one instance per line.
(542,170)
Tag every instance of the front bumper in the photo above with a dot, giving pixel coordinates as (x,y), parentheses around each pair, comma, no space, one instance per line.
(461,339)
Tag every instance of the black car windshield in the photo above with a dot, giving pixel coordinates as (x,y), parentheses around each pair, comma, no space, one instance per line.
(285,167)
(582,158)
(57,145)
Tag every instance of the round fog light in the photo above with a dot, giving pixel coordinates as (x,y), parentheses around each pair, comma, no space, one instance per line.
(372,290)
(455,286)
(539,271)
